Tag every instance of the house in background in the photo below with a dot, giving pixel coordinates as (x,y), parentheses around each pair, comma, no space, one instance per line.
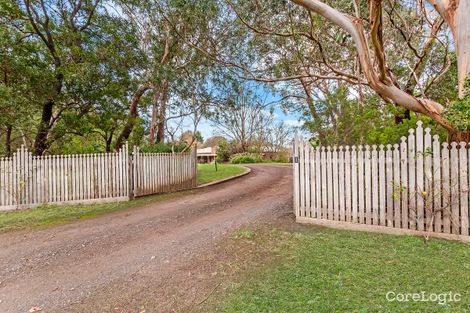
(206,155)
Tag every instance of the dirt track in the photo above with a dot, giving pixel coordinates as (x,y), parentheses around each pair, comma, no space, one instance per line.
(152,258)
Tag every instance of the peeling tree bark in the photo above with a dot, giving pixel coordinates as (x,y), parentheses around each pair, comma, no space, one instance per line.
(455,13)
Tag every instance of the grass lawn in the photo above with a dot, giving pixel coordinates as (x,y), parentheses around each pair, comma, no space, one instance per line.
(53,214)
(206,172)
(325,270)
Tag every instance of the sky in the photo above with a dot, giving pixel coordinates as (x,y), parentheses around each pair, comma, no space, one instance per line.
(207,130)
(291,119)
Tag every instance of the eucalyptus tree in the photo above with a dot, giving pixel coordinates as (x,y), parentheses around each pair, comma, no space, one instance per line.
(74,58)
(242,114)
(397,49)
(170,62)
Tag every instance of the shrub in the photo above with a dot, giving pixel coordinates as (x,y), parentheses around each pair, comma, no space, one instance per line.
(281,158)
(246,158)
(225,150)
(162,147)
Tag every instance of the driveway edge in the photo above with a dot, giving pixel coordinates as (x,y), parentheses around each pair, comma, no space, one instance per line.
(215,182)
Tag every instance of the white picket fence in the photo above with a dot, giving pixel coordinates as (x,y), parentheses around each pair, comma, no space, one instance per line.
(420,184)
(27,180)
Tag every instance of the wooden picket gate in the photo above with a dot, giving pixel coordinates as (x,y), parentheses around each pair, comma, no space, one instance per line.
(420,184)
(27,180)
(163,172)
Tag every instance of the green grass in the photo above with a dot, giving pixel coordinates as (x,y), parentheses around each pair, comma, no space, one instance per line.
(325,270)
(206,172)
(52,214)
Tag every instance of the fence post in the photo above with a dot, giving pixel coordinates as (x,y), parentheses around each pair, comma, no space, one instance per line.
(295,159)
(133,167)
(195,167)
(463,188)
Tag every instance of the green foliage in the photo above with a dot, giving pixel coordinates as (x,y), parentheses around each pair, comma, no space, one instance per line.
(344,122)
(225,150)
(162,147)
(458,112)
(198,136)
(244,233)
(244,158)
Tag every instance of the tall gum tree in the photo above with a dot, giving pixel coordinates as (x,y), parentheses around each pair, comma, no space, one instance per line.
(45,23)
(374,65)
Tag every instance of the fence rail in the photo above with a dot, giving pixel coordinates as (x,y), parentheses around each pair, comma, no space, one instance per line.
(27,180)
(419,184)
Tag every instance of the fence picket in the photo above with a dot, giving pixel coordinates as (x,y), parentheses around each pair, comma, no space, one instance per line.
(454,187)
(419,177)
(312,182)
(347,183)
(428,179)
(354,198)
(360,181)
(389,185)
(330,182)
(446,201)
(367,183)
(307,178)
(302,178)
(397,189)
(463,196)
(382,189)
(341,191)
(319,184)
(437,184)
(404,190)
(335,183)
(411,179)
(375,186)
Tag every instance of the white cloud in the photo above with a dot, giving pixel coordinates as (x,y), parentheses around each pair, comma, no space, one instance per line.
(294,123)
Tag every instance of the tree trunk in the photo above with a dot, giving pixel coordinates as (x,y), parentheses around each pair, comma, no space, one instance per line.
(463,43)
(460,136)
(379,80)
(162,118)
(153,125)
(109,141)
(133,114)
(8,140)
(41,141)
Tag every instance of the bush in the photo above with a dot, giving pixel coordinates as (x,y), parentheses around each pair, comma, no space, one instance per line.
(245,158)
(281,158)
(162,147)
(225,150)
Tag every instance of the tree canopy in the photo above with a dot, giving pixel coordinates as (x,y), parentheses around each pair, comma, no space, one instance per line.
(88,75)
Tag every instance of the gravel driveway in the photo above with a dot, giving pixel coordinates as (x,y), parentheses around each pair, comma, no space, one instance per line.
(118,262)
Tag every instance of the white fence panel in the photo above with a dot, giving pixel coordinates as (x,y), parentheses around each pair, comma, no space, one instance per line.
(418,184)
(27,180)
